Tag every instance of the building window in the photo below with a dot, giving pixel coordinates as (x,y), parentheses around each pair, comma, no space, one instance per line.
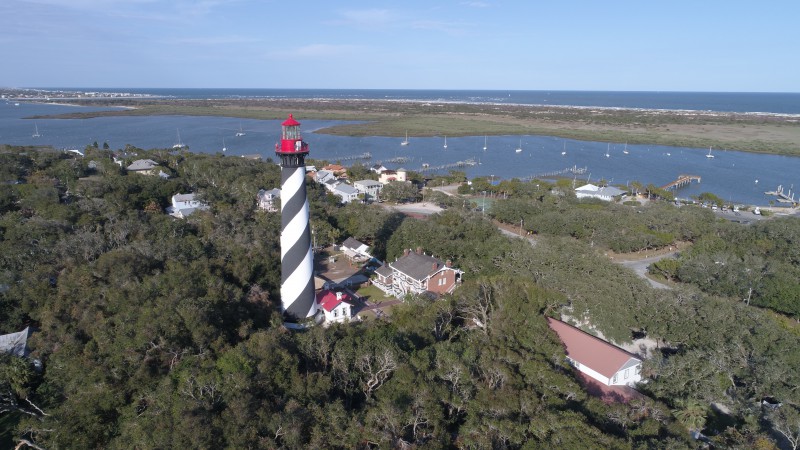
(626,373)
(614,380)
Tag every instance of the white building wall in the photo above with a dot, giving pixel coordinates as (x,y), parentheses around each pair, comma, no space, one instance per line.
(588,371)
(633,376)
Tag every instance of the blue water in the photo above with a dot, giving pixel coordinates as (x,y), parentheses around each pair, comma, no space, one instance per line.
(770,102)
(735,176)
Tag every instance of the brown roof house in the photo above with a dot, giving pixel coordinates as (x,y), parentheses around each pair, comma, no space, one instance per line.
(601,361)
(416,273)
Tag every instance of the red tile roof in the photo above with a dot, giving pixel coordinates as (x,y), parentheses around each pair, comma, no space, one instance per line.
(591,351)
(329,300)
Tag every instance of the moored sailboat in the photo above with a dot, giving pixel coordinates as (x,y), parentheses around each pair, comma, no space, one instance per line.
(179,144)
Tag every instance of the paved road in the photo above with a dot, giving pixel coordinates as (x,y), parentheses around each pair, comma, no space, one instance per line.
(509,233)
(640,267)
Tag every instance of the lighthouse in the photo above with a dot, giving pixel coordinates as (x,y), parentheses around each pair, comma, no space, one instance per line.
(297,262)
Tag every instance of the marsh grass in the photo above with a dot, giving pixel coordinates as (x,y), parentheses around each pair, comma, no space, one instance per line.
(772,134)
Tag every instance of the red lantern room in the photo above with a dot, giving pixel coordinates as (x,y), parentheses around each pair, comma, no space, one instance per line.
(291,141)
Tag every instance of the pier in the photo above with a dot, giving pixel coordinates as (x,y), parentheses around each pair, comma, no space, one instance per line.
(574,170)
(783,197)
(427,168)
(682,180)
(397,160)
(365,155)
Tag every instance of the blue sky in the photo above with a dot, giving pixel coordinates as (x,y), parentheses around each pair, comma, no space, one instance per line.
(482,44)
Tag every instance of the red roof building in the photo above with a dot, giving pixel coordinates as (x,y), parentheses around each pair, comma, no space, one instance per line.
(336,305)
(600,360)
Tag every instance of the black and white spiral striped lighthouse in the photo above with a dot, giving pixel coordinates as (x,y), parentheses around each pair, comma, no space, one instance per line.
(297,261)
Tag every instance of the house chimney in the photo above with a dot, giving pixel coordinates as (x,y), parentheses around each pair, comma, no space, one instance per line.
(419,250)
(339,295)
(448,263)
(434,266)
(405,252)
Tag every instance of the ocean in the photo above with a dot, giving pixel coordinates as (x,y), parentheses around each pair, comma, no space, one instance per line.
(734,176)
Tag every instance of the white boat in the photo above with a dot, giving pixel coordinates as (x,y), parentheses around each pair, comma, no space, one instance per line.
(608,155)
(16,104)
(484,142)
(519,149)
(240,132)
(564,152)
(224,149)
(179,144)
(709,155)
(445,141)
(625,150)
(406,141)
(36,131)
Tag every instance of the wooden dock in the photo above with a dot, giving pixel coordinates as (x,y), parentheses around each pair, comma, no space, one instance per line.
(365,155)
(682,180)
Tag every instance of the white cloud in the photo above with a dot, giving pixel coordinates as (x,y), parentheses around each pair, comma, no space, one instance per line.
(368,18)
(454,28)
(216,40)
(476,4)
(319,51)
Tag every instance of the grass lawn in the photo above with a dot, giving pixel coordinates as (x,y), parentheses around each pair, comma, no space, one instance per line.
(373,294)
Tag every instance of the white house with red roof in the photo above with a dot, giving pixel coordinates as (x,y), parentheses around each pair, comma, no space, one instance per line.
(600,360)
(336,305)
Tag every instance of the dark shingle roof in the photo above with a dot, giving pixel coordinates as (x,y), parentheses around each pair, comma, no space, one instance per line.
(384,271)
(417,266)
(352,243)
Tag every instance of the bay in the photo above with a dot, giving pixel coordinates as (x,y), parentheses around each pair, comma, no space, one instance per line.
(734,176)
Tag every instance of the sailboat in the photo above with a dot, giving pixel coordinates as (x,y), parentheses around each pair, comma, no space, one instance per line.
(224,149)
(608,155)
(445,141)
(519,149)
(564,152)
(406,141)
(36,131)
(709,155)
(179,144)
(625,151)
(240,132)
(484,142)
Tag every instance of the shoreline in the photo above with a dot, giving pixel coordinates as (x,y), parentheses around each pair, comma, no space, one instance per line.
(769,133)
